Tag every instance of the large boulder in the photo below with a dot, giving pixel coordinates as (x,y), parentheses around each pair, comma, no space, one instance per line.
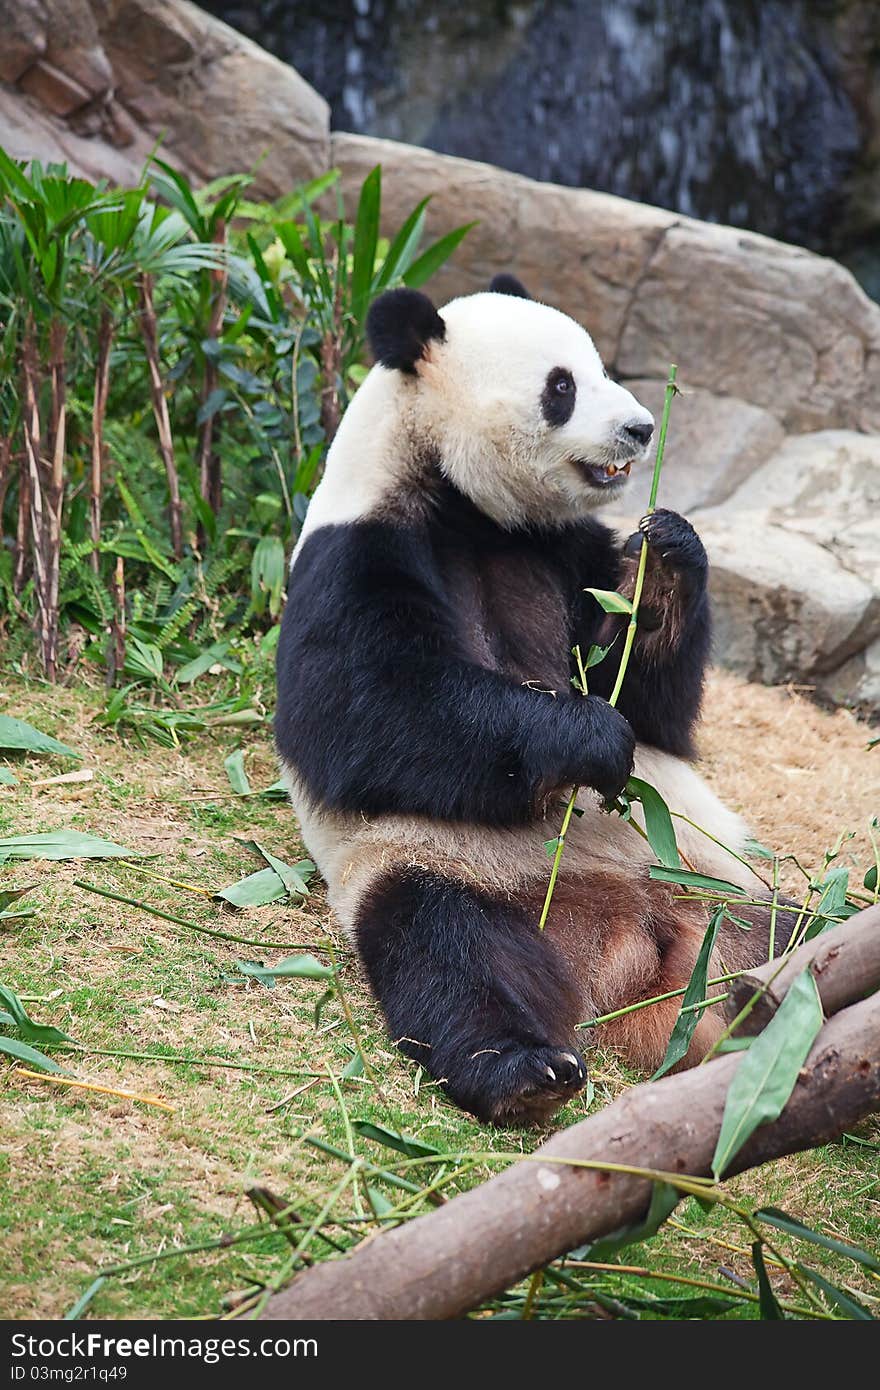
(99,83)
(741,315)
(795,554)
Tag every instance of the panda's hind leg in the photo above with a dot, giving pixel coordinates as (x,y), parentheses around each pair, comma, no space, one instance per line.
(472,990)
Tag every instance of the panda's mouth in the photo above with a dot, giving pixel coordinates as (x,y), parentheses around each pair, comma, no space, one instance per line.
(603,475)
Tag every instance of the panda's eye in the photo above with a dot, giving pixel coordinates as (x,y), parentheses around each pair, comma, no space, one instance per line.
(557,398)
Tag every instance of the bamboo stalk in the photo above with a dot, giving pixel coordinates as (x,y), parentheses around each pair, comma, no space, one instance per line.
(54,492)
(99,410)
(208,458)
(32,432)
(671,389)
(150,335)
(116,645)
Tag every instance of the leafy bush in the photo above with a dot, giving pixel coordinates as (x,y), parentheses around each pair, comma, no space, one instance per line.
(174,363)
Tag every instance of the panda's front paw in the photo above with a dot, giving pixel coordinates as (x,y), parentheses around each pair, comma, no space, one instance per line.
(673,541)
(526,1084)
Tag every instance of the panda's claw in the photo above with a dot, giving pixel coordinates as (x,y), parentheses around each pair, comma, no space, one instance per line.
(528,1088)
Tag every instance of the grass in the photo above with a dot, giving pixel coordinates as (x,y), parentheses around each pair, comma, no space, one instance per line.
(89,1181)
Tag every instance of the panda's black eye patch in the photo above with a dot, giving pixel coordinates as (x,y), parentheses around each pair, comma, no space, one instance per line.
(557,398)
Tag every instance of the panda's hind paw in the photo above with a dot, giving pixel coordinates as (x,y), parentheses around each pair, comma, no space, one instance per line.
(529,1083)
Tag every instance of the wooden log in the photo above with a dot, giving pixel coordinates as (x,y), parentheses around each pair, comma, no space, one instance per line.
(845,963)
(452,1260)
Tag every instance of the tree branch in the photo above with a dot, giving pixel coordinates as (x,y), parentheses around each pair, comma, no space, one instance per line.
(452,1260)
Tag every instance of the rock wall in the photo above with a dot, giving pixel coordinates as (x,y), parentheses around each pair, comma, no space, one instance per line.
(99,83)
(775,447)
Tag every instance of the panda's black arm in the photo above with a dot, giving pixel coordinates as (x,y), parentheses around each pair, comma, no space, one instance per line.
(663,687)
(379,713)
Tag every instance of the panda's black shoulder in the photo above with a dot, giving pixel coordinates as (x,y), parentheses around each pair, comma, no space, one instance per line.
(586,547)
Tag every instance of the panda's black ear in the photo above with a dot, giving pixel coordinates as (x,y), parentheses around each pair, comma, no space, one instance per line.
(508,284)
(400,325)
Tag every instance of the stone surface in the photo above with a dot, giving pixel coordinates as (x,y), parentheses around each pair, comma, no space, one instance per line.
(857,682)
(772,324)
(796,565)
(713,444)
(826,487)
(53,88)
(743,316)
(785,609)
(24,37)
(120,75)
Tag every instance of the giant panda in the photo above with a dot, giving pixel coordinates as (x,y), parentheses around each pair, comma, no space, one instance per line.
(428,728)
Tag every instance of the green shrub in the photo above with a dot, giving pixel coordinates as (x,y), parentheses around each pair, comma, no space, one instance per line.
(174,363)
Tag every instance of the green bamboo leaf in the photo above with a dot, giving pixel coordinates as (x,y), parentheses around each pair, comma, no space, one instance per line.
(238,778)
(697,988)
(355,1067)
(7,779)
(23,1053)
(658,822)
(290,968)
(401,252)
(30,1031)
(366,239)
(598,654)
(790,1224)
(769,1070)
(688,879)
(63,844)
(846,1302)
(293,876)
(432,259)
(610,600)
(413,1148)
(768,1302)
(15,733)
(832,902)
(256,890)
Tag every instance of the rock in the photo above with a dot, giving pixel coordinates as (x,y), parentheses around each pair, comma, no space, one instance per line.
(24,37)
(219,103)
(784,608)
(74,46)
(714,443)
(825,487)
(578,250)
(857,682)
(746,316)
(795,553)
(743,316)
(53,88)
(225,105)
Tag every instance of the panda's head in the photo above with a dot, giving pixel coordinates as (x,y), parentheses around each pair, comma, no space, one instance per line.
(511,399)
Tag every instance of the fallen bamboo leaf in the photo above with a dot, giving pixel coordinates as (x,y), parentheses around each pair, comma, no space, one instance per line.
(100,1090)
(238,778)
(24,738)
(62,844)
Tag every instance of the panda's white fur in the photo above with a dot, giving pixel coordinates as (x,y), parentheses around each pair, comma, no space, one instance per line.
(469,410)
(475,402)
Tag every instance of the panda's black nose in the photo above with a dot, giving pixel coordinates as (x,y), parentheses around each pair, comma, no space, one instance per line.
(638,433)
